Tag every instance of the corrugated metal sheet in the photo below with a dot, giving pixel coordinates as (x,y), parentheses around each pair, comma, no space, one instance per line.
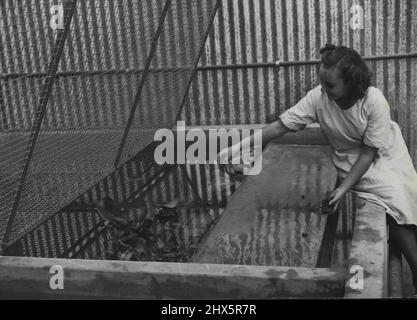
(250,31)
(245,31)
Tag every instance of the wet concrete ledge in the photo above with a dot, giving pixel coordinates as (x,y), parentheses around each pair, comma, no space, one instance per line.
(23,277)
(369,253)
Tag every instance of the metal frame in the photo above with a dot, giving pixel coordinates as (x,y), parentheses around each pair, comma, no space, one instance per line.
(2,110)
(216,7)
(84,241)
(40,113)
(142,82)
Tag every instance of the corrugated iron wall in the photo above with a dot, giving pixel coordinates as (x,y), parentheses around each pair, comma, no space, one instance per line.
(109,43)
(245,31)
(255,31)
(248,31)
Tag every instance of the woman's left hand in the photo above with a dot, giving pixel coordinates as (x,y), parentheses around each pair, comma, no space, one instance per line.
(335,197)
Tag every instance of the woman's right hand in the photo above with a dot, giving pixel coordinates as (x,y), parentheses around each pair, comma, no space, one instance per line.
(230,160)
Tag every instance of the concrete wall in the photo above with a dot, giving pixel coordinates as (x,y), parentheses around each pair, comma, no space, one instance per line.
(30,278)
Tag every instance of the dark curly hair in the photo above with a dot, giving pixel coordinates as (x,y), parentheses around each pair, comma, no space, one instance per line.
(355,73)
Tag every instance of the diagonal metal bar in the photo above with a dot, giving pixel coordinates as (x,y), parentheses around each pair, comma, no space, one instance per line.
(190,81)
(195,69)
(40,113)
(142,82)
(91,234)
(85,243)
(193,186)
(3,124)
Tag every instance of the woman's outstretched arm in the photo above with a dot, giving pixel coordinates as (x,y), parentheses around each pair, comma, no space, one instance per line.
(268,133)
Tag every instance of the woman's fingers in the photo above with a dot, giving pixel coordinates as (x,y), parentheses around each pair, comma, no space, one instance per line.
(334,203)
(334,196)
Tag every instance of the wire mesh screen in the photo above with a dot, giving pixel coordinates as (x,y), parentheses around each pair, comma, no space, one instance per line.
(171,67)
(21,55)
(172,234)
(108,59)
(60,234)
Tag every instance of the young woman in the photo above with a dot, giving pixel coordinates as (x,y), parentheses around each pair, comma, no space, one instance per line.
(368,149)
